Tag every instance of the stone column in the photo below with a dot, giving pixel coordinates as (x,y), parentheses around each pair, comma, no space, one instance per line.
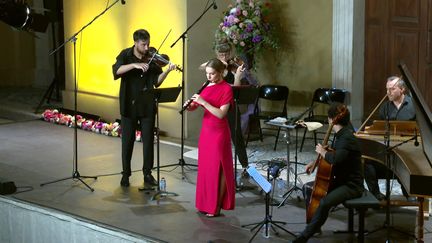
(348,52)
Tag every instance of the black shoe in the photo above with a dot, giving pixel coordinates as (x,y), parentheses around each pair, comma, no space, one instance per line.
(149,179)
(124,181)
(244,174)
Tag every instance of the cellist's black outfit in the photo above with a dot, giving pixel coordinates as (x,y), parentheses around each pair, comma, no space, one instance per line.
(135,111)
(347,181)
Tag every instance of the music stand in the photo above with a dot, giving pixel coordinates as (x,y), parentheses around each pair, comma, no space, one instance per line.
(244,94)
(162,95)
(288,127)
(268,222)
(294,187)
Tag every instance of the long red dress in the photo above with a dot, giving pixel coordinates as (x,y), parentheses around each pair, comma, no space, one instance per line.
(214,153)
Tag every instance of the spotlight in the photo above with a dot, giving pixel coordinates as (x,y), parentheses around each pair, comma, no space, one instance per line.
(20,16)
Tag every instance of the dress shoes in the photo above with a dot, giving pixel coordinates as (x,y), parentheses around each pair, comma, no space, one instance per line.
(245,174)
(149,179)
(124,181)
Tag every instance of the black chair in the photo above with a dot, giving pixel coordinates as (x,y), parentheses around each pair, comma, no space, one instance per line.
(322,96)
(274,95)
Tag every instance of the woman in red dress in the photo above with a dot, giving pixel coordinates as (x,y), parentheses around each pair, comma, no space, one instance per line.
(215,183)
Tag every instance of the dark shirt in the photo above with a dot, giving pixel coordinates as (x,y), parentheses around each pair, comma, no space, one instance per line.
(346,159)
(229,78)
(132,101)
(406,111)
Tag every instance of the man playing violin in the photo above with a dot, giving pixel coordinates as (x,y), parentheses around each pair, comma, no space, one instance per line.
(138,73)
(347,179)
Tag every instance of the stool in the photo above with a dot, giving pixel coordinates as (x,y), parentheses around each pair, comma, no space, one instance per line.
(361,204)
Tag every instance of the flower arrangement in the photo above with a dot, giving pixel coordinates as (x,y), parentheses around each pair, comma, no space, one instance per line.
(246,26)
(109,129)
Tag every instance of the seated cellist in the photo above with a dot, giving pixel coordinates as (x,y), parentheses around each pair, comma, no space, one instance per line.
(345,160)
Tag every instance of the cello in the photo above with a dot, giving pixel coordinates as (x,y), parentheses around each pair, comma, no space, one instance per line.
(323,177)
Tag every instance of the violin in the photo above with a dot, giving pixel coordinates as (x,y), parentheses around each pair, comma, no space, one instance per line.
(234,63)
(159,59)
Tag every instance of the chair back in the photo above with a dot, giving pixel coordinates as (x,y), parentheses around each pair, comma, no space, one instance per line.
(278,93)
(273,92)
(326,95)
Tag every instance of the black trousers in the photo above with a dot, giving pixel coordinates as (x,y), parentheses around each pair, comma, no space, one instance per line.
(373,171)
(336,196)
(129,126)
(238,140)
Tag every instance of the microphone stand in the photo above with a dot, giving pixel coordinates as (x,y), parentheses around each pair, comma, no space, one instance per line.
(75,174)
(183,37)
(388,150)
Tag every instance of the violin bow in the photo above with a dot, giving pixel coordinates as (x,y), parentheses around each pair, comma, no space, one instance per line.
(157,51)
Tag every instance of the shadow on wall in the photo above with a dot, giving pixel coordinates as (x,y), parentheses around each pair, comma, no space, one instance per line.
(284,56)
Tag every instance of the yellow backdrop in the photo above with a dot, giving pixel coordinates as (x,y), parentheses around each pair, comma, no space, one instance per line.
(98,45)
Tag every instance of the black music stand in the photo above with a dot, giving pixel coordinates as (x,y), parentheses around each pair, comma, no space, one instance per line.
(294,187)
(289,127)
(268,222)
(162,95)
(244,94)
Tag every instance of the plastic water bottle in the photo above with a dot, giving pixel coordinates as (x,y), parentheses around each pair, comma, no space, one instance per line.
(162,184)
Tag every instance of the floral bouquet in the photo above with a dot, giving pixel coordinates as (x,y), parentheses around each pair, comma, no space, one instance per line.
(245,25)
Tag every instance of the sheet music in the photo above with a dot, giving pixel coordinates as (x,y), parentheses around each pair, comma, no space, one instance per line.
(259,179)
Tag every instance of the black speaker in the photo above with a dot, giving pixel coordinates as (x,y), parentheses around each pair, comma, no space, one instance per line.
(7,187)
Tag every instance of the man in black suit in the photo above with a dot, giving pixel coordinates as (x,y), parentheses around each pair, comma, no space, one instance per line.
(137,75)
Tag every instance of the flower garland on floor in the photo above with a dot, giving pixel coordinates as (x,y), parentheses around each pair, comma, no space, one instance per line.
(109,129)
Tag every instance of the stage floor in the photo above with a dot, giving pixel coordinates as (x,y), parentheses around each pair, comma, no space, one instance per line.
(34,152)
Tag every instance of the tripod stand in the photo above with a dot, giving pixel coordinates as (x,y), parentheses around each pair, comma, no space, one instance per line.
(162,95)
(75,174)
(267,222)
(388,149)
(181,162)
(242,95)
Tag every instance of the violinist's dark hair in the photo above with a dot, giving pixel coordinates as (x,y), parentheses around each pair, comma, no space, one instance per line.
(141,34)
(337,109)
(217,65)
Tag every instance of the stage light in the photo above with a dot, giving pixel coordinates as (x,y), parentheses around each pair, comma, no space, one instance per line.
(20,16)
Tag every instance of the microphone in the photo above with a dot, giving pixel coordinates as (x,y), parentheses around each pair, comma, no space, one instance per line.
(214,4)
(123,2)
